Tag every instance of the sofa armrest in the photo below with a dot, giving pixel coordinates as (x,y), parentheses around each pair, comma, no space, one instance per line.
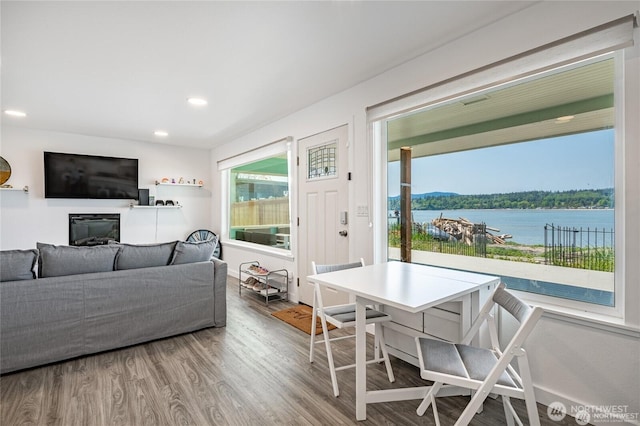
(220,290)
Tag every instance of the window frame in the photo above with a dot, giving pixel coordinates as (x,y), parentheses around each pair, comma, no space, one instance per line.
(624,184)
(283,146)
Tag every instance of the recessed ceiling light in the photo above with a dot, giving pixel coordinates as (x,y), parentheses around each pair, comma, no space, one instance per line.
(161,133)
(15,113)
(565,119)
(197,101)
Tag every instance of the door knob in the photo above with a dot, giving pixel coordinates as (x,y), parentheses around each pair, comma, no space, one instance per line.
(343,233)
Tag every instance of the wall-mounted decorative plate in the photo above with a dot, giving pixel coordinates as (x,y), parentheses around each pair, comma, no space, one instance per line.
(5,171)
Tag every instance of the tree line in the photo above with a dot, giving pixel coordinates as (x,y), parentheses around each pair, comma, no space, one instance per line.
(573,199)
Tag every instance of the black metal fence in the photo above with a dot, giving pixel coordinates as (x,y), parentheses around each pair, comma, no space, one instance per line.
(583,248)
(427,237)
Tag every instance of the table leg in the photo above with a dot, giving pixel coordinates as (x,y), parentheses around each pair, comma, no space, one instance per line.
(361,360)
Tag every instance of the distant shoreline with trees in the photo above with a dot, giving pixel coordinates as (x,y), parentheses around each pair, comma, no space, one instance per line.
(573,199)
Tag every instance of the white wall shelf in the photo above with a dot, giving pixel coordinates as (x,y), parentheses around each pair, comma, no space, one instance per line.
(135,206)
(195,185)
(24,189)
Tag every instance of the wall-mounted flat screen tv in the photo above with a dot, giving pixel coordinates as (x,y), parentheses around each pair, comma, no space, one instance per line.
(89,176)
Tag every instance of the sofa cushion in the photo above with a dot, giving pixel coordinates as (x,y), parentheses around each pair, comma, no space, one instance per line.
(17,265)
(56,261)
(190,252)
(134,256)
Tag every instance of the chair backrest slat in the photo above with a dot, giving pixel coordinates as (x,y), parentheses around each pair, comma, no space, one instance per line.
(322,269)
(511,304)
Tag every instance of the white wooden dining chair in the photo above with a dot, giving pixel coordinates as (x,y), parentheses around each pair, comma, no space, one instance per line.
(344,316)
(480,370)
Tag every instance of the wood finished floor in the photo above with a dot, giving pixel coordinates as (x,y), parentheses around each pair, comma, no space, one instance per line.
(254,371)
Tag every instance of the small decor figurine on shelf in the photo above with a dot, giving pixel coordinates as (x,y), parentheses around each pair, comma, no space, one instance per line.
(181,180)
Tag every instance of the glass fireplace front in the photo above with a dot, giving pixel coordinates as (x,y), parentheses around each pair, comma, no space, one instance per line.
(94,229)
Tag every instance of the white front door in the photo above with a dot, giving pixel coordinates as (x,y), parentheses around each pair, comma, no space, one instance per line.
(323,204)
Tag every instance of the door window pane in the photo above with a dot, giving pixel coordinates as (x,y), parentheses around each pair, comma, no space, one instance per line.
(322,161)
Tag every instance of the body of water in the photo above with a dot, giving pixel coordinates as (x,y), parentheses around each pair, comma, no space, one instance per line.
(526,226)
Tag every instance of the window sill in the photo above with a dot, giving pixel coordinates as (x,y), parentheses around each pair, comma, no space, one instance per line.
(583,318)
(257,248)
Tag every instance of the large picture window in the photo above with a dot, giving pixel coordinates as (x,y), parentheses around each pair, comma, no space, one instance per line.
(259,210)
(517,180)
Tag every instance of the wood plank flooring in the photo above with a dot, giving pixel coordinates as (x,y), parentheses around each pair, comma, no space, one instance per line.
(254,371)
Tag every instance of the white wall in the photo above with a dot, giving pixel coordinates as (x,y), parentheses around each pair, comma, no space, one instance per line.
(582,365)
(604,382)
(28,218)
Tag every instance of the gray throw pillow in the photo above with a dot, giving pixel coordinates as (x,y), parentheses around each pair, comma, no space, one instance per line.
(17,265)
(56,261)
(187,252)
(134,256)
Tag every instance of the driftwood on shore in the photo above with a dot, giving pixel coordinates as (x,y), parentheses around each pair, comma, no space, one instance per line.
(464,230)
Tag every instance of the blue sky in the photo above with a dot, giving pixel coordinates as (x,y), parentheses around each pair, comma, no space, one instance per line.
(582,161)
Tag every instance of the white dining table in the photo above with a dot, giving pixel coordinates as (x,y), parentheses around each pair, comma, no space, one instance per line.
(407,286)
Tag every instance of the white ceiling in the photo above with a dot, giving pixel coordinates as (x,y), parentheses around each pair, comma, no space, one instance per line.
(124,69)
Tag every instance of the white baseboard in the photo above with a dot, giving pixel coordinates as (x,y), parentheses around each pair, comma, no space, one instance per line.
(596,415)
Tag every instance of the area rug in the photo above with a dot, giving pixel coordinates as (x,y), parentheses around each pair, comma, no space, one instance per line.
(300,317)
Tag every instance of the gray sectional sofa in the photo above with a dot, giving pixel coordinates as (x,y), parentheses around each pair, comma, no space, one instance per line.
(61,302)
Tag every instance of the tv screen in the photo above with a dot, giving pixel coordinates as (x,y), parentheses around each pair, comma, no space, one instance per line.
(89,176)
